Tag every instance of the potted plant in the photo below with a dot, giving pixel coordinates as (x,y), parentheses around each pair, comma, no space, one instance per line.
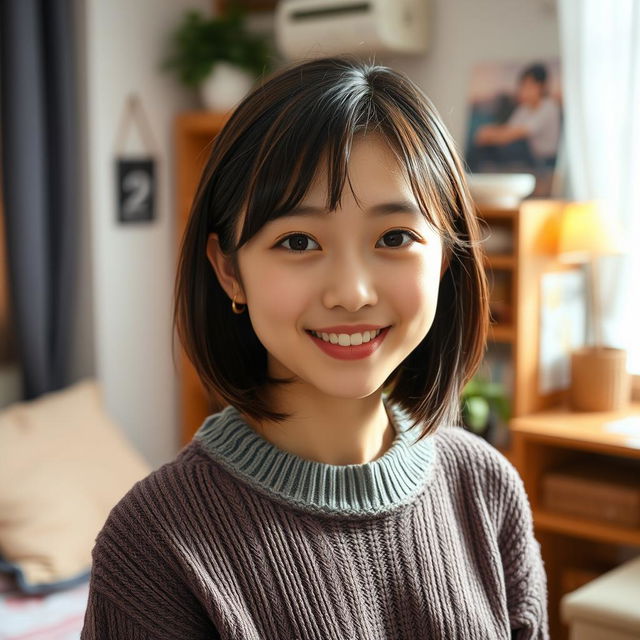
(218,56)
(483,403)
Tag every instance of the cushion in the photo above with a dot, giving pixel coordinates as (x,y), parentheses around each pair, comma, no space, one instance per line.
(607,605)
(64,464)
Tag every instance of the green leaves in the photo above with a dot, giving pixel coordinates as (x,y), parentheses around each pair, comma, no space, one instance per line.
(199,42)
(478,398)
(476,411)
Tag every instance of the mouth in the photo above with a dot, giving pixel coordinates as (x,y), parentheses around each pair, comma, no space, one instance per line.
(347,339)
(345,346)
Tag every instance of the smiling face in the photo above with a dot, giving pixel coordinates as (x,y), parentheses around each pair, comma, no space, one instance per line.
(361,264)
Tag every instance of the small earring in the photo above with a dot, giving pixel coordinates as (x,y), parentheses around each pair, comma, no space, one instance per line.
(234,306)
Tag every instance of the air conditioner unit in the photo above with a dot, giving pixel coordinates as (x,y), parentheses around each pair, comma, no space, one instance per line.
(312,28)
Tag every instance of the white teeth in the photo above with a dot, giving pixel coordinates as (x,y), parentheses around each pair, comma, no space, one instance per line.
(345,339)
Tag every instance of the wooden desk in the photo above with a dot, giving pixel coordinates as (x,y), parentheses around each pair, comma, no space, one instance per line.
(574,549)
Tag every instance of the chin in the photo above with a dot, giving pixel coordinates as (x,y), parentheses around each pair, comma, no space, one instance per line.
(351,390)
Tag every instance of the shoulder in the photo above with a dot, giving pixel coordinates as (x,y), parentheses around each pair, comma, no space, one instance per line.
(138,559)
(158,499)
(479,469)
(477,472)
(547,111)
(149,523)
(470,453)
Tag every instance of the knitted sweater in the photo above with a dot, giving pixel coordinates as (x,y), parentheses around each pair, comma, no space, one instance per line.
(236,538)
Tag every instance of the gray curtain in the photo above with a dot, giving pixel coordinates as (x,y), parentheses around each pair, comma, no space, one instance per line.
(39,166)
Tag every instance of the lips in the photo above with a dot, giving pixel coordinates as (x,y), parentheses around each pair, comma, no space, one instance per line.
(350,352)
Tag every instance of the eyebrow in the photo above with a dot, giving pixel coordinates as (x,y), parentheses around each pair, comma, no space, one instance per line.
(384,208)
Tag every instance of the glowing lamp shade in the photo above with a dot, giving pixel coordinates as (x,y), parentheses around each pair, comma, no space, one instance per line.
(581,233)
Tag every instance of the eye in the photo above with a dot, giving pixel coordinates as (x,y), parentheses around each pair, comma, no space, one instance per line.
(395,236)
(298,242)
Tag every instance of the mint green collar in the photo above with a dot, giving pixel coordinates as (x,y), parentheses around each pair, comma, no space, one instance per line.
(355,489)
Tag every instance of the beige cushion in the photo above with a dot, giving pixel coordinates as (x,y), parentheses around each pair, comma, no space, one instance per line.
(63,465)
(606,608)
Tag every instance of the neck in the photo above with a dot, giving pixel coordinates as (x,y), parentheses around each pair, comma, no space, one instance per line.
(330,430)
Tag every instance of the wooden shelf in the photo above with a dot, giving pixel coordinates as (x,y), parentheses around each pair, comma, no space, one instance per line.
(498,212)
(500,261)
(571,430)
(206,123)
(589,529)
(502,333)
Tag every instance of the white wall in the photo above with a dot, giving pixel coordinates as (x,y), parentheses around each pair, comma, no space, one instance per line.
(132,265)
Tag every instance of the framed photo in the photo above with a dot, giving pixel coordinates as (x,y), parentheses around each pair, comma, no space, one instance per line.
(515,119)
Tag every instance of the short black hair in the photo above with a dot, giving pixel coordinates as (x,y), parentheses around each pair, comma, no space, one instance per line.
(537,72)
(263,162)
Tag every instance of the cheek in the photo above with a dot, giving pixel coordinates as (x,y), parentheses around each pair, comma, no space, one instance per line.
(277,297)
(415,292)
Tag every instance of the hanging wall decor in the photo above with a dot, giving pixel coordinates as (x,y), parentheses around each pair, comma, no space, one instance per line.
(135,172)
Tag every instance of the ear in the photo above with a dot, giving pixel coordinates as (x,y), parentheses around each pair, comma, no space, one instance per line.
(223,266)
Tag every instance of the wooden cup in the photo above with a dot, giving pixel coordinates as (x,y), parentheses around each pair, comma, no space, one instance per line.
(599,379)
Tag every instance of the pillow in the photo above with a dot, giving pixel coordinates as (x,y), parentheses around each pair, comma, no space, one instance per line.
(64,464)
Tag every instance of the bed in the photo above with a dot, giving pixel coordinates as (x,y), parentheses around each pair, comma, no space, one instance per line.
(55,616)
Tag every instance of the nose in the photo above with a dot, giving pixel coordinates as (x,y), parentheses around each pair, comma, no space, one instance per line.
(350,284)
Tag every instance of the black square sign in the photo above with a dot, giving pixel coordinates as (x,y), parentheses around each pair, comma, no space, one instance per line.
(136,189)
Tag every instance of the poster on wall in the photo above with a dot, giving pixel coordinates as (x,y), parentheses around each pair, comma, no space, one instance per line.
(563,326)
(515,119)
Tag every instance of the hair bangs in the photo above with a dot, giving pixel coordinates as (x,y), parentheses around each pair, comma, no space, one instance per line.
(427,158)
(301,142)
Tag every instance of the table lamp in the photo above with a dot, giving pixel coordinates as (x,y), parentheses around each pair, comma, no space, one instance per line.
(599,377)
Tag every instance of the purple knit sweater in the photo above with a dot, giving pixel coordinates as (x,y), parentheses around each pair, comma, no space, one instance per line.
(239,539)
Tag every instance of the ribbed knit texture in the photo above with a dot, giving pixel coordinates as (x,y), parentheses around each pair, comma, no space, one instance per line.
(239,539)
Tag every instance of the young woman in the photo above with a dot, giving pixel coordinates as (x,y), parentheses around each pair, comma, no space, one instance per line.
(331,290)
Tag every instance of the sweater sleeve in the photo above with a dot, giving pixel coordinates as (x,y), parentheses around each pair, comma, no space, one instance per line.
(525,577)
(104,620)
(138,590)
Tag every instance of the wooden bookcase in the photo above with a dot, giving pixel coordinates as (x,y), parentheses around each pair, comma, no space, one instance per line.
(515,268)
